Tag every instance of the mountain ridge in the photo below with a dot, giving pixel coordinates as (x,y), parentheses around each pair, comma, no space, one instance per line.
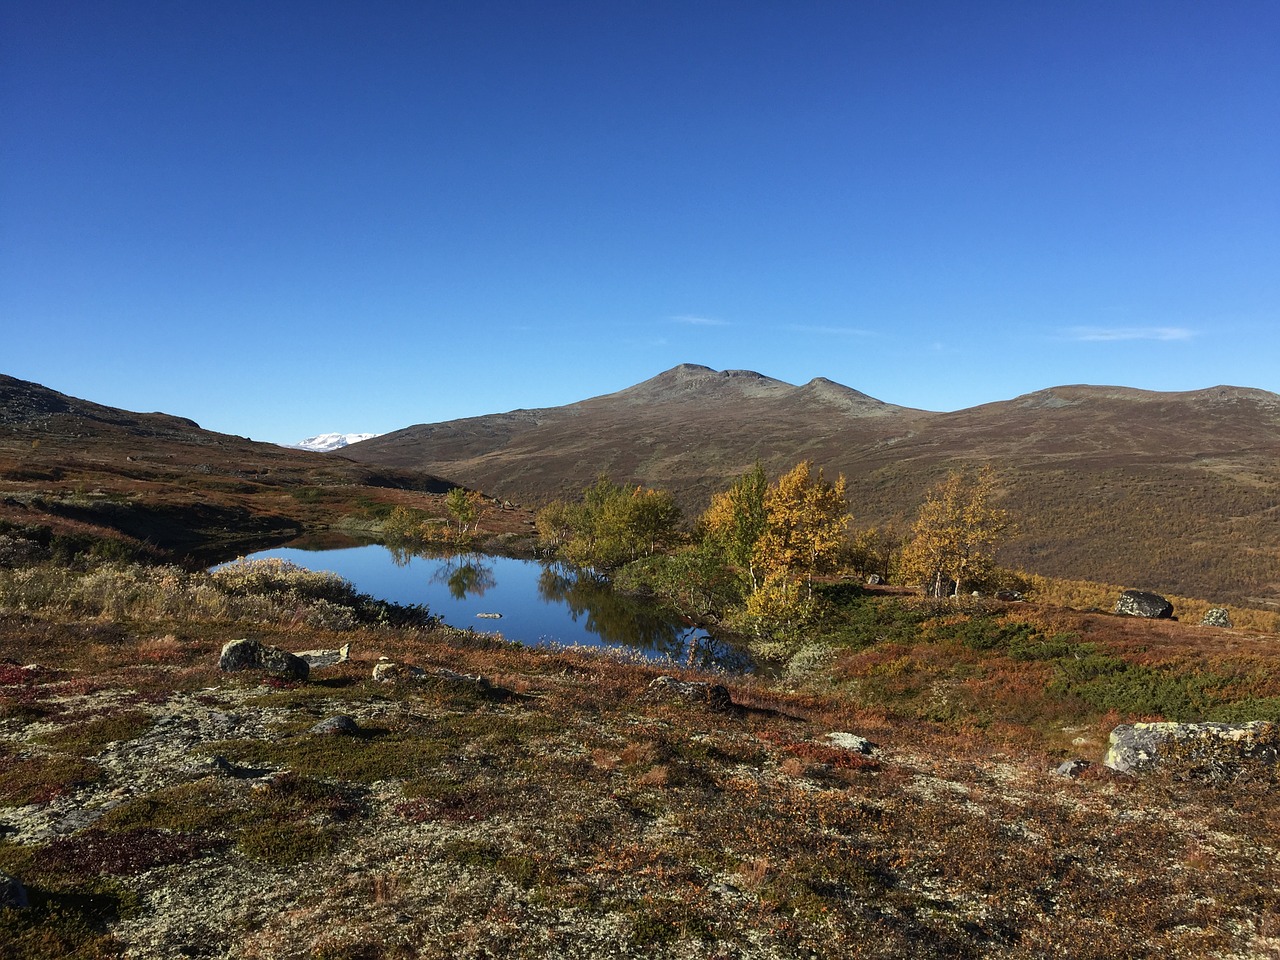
(1102,474)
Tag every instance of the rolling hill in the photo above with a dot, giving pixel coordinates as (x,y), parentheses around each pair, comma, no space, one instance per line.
(160,484)
(1177,492)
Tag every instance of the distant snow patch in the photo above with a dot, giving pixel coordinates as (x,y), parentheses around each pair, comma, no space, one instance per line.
(328,442)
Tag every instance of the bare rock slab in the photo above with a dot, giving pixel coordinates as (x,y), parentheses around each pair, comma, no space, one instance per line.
(325,658)
(239,655)
(1202,751)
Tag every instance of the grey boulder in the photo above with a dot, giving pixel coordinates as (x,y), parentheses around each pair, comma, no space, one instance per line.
(1216,617)
(1201,751)
(690,693)
(1139,603)
(337,725)
(239,655)
(13,894)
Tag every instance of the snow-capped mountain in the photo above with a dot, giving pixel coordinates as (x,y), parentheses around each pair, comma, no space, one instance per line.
(328,442)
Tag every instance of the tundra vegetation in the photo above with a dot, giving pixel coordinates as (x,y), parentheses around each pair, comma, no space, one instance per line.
(153,806)
(755,559)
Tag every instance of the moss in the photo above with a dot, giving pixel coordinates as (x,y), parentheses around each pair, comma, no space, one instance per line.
(91,736)
(41,779)
(63,923)
(660,921)
(189,807)
(378,755)
(285,844)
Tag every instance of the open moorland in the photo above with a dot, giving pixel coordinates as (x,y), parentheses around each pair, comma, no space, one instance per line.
(1177,492)
(891,789)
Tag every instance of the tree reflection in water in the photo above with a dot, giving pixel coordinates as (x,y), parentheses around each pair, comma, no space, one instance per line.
(590,602)
(465,576)
(620,620)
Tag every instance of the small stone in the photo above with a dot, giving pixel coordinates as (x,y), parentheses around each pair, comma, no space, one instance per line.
(388,671)
(338,725)
(222,765)
(325,658)
(254,655)
(1073,768)
(13,894)
(851,741)
(1216,617)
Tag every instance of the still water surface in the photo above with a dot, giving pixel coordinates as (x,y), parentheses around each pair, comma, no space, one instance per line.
(540,603)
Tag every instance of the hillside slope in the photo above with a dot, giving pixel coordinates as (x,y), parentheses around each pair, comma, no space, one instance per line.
(159,483)
(1170,491)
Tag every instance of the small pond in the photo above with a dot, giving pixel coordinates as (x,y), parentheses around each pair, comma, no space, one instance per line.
(538,603)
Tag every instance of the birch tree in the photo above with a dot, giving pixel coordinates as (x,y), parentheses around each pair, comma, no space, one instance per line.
(955,536)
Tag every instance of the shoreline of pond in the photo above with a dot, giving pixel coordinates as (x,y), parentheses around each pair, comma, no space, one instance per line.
(589,610)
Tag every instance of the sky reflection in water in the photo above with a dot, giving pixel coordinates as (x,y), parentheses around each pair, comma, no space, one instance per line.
(540,603)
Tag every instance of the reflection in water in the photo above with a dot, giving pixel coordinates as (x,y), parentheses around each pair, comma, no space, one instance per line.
(620,620)
(540,603)
(465,576)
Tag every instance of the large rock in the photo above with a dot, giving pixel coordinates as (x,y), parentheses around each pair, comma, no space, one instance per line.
(851,741)
(1139,603)
(254,655)
(690,692)
(1216,617)
(1203,751)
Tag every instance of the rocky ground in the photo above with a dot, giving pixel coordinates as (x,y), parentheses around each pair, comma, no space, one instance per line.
(153,806)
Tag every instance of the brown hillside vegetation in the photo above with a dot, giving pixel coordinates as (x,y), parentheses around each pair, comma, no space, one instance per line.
(1176,492)
(84,474)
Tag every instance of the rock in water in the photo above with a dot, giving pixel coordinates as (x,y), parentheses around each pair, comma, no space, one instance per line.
(1203,751)
(254,655)
(1139,603)
(1217,617)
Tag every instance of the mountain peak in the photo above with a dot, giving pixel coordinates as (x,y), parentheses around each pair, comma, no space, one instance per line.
(328,442)
(692,381)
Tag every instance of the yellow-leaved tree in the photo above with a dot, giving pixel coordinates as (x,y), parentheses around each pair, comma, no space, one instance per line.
(955,537)
(805,520)
(736,520)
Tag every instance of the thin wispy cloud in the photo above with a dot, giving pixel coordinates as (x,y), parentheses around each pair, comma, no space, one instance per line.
(696,321)
(830,331)
(1113,334)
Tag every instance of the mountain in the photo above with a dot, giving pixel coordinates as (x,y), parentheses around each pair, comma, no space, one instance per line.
(328,442)
(157,483)
(1169,491)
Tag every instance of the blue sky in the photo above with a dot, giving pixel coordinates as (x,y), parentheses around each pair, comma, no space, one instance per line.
(284,218)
